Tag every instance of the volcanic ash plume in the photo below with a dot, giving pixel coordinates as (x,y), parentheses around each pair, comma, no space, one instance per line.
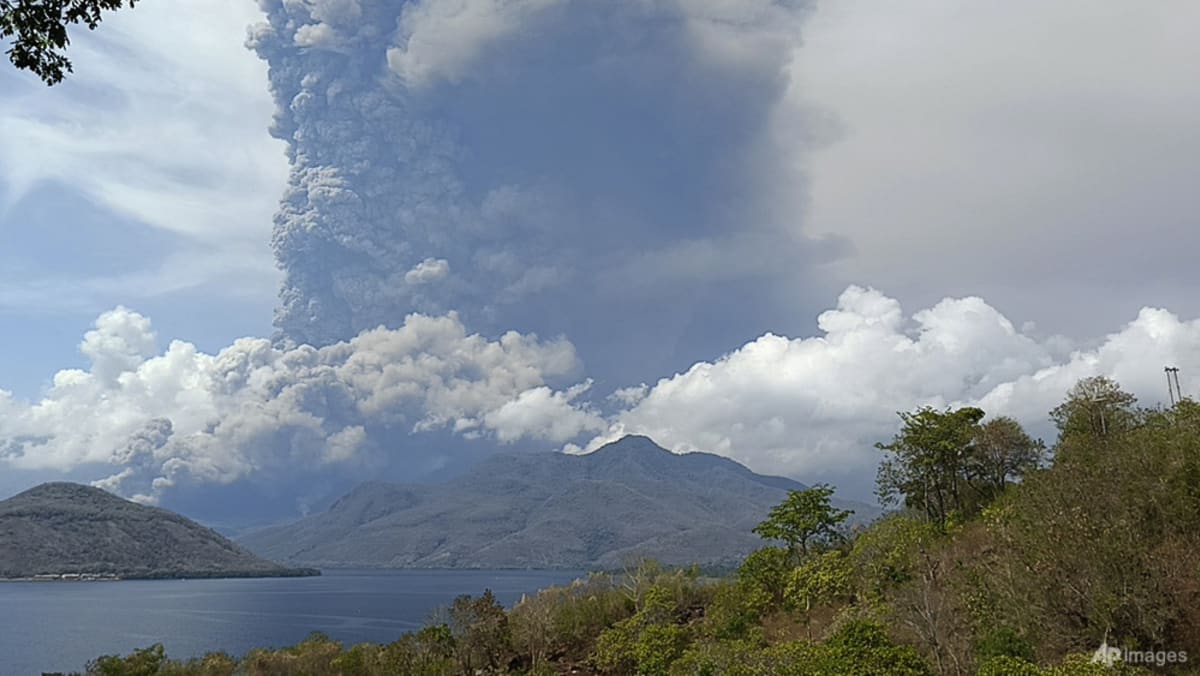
(542,165)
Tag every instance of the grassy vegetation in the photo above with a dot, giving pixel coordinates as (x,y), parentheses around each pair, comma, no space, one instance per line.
(1000,560)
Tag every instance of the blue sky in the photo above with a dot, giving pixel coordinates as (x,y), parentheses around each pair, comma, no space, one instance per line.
(758,232)
(147,180)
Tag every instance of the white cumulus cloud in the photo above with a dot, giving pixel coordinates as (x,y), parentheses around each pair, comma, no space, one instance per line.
(813,407)
(427,271)
(543,413)
(807,407)
(256,408)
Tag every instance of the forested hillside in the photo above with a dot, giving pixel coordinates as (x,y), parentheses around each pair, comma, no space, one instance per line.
(1002,558)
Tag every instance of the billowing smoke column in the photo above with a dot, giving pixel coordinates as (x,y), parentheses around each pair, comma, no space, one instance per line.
(605,170)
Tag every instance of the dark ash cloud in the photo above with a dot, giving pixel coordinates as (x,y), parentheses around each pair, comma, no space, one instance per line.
(606,171)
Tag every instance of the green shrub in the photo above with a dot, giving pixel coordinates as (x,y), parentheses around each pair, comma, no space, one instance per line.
(732,614)
(884,556)
(719,658)
(1007,665)
(764,576)
(862,647)
(429,652)
(144,662)
(313,657)
(1082,665)
(1004,642)
(646,643)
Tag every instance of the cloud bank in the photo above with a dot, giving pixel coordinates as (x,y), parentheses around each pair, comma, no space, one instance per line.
(256,410)
(806,407)
(812,408)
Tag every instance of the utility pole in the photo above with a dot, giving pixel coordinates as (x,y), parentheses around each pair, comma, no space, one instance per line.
(1173,390)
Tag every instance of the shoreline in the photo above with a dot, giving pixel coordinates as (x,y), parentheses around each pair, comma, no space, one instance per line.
(164,575)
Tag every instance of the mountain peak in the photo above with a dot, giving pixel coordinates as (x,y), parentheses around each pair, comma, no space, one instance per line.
(634,443)
(65,490)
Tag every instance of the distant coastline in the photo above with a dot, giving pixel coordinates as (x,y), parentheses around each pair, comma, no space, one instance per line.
(65,532)
(163,575)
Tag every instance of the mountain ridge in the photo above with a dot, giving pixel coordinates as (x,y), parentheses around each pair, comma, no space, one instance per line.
(629,499)
(62,529)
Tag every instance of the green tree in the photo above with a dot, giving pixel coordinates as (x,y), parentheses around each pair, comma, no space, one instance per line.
(858,647)
(863,647)
(886,555)
(928,463)
(1004,642)
(732,613)
(479,627)
(804,519)
(818,581)
(721,658)
(1003,452)
(313,655)
(1095,407)
(429,652)
(763,577)
(39,31)
(1105,546)
(646,643)
(1005,665)
(144,662)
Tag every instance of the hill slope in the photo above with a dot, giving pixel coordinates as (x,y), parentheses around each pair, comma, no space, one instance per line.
(629,499)
(64,528)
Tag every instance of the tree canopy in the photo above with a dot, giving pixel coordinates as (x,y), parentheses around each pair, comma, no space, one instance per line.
(947,464)
(1003,452)
(38,29)
(926,468)
(1095,406)
(806,517)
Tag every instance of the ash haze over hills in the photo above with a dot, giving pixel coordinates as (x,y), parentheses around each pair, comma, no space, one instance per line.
(541,225)
(629,500)
(64,528)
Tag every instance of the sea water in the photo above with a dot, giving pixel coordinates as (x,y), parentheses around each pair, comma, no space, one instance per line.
(59,626)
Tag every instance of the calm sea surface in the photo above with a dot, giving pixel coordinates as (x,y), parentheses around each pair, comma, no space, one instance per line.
(59,626)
